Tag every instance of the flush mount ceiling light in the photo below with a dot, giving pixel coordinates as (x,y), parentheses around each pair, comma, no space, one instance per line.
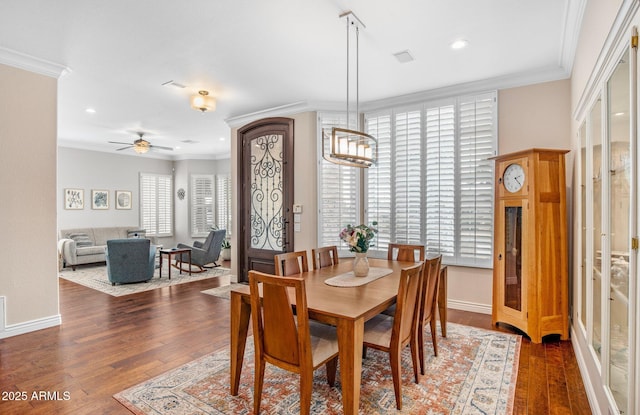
(203,102)
(343,145)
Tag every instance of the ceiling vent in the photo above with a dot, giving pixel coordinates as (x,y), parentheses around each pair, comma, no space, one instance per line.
(174,84)
(404,56)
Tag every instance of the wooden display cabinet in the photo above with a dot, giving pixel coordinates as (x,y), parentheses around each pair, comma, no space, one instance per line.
(530,264)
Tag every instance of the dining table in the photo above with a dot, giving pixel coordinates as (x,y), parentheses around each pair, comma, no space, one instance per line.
(346,308)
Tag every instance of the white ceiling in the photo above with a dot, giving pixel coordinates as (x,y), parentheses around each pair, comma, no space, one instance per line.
(254,55)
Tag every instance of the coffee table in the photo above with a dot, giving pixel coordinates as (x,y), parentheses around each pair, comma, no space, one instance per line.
(175,251)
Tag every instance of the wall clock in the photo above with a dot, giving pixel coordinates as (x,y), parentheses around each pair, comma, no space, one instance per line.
(513,177)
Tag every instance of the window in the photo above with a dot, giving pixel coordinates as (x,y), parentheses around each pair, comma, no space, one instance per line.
(156,209)
(337,199)
(202,197)
(223,202)
(433,183)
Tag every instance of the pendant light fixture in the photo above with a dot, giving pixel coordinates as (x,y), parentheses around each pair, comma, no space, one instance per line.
(343,145)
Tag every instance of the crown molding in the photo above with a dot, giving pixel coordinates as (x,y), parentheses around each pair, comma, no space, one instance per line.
(574,12)
(537,76)
(281,110)
(30,63)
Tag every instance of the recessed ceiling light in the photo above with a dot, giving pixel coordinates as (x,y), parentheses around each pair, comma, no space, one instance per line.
(459,44)
(90,110)
(619,114)
(177,147)
(222,138)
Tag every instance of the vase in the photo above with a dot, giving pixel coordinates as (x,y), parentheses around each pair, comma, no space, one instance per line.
(361,265)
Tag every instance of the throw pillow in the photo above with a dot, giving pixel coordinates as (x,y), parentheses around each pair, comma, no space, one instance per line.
(137,233)
(81,239)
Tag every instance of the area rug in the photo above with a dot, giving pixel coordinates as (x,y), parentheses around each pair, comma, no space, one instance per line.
(222,291)
(475,373)
(95,276)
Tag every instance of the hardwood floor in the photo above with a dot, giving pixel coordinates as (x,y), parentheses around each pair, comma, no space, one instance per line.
(106,344)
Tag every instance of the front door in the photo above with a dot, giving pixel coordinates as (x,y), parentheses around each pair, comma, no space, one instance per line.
(266,176)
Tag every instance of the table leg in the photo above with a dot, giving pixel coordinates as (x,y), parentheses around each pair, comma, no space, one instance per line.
(189,262)
(442,301)
(169,263)
(161,255)
(240,313)
(350,334)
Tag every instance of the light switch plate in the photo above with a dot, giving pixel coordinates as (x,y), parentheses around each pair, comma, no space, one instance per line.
(297,208)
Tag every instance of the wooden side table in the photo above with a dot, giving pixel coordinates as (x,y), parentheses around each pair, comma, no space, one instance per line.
(174,251)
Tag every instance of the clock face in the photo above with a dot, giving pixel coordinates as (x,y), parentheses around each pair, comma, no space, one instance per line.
(513,178)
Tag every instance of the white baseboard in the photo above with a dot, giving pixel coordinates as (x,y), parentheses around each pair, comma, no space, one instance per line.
(584,372)
(469,306)
(27,326)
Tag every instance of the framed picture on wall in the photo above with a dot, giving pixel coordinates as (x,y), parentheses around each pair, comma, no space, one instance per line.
(99,199)
(123,199)
(73,199)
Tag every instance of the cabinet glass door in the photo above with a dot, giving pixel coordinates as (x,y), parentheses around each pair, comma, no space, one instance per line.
(583,225)
(619,167)
(596,175)
(513,257)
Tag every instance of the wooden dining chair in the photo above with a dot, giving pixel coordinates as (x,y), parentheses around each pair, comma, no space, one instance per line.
(405,252)
(290,342)
(291,263)
(428,305)
(393,334)
(325,256)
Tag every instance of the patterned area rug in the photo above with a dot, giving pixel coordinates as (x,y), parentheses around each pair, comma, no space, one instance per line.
(95,276)
(475,373)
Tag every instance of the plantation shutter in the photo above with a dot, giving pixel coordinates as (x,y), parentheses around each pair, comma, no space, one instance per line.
(407,180)
(379,201)
(477,143)
(440,212)
(156,208)
(202,198)
(336,189)
(223,202)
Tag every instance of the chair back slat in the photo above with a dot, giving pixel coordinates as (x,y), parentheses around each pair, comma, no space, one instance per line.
(291,263)
(325,257)
(407,304)
(405,252)
(430,287)
(277,335)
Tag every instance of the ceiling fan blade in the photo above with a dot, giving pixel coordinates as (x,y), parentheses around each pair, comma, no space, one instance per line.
(161,147)
(119,142)
(123,148)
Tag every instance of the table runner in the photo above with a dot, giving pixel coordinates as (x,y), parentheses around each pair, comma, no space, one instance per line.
(349,280)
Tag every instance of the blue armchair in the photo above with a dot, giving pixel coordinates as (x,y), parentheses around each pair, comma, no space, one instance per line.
(130,260)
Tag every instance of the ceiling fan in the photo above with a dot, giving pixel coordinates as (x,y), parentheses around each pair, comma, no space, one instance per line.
(140,145)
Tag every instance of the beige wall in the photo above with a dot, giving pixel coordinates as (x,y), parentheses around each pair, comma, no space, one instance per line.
(535,116)
(29,279)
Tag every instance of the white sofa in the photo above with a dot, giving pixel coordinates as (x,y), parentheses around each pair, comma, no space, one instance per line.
(87,245)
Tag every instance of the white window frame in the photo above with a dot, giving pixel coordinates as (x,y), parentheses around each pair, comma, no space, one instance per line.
(223,202)
(201,204)
(156,204)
